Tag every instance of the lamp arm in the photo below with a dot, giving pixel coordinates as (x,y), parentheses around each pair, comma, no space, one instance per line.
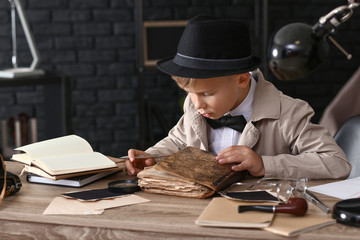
(328,23)
(13,34)
(333,19)
(354,3)
(338,15)
(29,37)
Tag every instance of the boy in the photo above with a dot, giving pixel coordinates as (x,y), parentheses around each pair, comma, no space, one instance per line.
(270,134)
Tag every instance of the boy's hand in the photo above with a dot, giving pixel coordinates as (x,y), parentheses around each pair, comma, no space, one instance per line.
(133,166)
(245,156)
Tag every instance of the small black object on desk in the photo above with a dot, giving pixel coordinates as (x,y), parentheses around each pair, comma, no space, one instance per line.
(347,212)
(124,186)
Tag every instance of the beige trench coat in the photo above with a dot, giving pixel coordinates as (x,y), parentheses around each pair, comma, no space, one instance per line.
(279,130)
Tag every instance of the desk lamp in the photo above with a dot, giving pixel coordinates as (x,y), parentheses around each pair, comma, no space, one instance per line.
(16,72)
(298,48)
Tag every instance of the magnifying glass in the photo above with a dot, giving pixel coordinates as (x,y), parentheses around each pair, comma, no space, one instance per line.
(124,186)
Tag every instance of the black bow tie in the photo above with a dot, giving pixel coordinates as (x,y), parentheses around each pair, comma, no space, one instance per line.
(237,122)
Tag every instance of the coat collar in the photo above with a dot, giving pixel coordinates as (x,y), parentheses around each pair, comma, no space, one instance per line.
(265,93)
(266,104)
(197,123)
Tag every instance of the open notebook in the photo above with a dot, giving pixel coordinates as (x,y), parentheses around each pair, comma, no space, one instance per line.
(64,157)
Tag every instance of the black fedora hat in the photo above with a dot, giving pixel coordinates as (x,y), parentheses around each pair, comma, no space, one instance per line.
(211,47)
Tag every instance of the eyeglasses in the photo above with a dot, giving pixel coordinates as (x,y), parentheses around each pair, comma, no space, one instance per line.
(266,189)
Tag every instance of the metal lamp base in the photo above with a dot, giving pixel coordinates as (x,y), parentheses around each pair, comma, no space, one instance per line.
(20,72)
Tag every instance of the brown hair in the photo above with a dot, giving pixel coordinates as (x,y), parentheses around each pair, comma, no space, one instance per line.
(183,82)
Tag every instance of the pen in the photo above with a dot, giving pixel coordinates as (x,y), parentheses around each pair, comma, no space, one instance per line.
(313,199)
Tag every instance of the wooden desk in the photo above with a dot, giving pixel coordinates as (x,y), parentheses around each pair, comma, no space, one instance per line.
(164,217)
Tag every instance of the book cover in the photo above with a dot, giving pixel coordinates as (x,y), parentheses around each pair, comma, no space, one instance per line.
(78,181)
(222,212)
(289,225)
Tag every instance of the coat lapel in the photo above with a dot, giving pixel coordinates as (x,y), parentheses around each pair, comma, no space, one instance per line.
(200,129)
(198,125)
(266,105)
(250,135)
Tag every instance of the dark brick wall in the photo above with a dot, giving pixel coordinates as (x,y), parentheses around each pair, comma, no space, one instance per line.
(93,43)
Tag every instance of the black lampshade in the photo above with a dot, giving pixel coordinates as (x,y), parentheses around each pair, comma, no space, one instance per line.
(294,51)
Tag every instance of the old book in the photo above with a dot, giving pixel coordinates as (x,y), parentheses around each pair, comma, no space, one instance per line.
(64,157)
(222,212)
(190,172)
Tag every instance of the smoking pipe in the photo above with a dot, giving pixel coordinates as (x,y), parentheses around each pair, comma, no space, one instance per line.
(295,206)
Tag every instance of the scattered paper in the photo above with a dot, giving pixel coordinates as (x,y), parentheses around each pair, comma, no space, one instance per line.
(345,189)
(61,205)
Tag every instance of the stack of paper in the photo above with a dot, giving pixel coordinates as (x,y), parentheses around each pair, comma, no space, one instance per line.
(345,189)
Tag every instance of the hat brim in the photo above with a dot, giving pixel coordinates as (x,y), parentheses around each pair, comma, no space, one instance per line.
(168,66)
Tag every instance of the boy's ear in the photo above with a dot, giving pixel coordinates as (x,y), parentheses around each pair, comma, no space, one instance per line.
(244,79)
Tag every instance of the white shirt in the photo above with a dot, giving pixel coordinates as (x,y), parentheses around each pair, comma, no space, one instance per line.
(224,137)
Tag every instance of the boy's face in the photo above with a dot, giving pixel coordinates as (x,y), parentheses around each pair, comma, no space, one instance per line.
(213,97)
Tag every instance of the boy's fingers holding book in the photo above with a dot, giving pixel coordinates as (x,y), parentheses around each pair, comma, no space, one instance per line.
(137,160)
(243,158)
(138,165)
(129,167)
(133,152)
(149,162)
